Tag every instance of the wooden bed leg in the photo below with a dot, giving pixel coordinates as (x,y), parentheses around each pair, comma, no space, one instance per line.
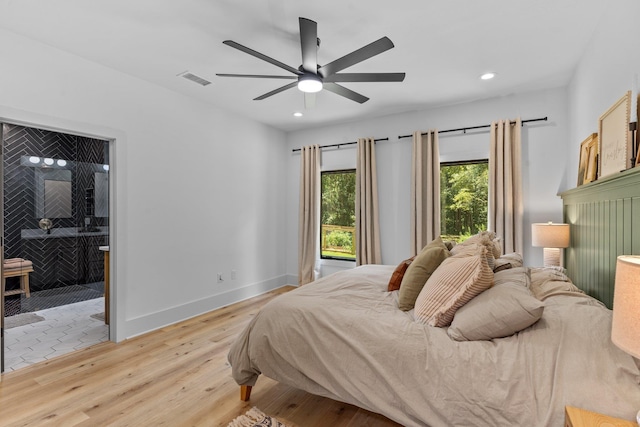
(245,392)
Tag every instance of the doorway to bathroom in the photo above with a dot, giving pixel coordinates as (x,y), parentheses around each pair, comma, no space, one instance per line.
(56,237)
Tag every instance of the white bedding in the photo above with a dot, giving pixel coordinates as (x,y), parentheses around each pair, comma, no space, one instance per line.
(344,337)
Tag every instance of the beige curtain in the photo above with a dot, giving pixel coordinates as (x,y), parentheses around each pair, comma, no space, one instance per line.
(505,184)
(309,205)
(425,190)
(367,216)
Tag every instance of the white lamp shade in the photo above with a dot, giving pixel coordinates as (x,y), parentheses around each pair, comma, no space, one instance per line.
(625,329)
(550,235)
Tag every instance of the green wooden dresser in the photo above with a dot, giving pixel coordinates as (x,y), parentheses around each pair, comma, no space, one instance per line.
(605,222)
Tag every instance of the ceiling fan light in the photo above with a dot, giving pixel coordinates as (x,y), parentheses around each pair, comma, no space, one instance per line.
(309,83)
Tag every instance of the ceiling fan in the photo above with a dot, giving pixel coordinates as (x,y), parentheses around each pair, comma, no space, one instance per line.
(311,77)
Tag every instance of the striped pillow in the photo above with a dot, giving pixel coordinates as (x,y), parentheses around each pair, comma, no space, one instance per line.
(454,283)
(486,238)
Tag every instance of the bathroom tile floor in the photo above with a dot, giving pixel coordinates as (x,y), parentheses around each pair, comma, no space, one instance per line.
(64,329)
(50,298)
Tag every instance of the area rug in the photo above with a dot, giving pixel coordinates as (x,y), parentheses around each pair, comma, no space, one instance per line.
(255,418)
(21,320)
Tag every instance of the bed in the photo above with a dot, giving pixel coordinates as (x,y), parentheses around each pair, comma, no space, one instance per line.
(344,337)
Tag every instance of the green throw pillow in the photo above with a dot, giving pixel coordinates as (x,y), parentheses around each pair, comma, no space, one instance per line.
(419,272)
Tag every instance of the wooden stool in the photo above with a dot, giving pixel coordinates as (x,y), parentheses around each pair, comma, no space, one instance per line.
(24,280)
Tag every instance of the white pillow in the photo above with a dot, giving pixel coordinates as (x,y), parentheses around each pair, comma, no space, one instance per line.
(507,261)
(497,312)
(519,275)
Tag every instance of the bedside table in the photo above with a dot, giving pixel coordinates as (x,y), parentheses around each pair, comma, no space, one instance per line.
(575,417)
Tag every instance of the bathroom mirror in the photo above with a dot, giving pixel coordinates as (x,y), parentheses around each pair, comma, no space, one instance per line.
(53,193)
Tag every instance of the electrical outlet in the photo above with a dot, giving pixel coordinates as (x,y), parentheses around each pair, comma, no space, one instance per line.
(233,275)
(220,279)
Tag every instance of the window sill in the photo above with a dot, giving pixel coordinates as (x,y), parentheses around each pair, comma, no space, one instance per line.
(336,262)
(330,266)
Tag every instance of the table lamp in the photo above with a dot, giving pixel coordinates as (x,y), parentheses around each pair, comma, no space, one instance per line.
(625,327)
(551,237)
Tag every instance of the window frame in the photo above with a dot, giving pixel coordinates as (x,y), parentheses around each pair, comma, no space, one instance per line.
(329,257)
(464,163)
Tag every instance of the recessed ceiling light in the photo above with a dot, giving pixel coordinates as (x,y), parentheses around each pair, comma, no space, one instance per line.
(487,76)
(297,114)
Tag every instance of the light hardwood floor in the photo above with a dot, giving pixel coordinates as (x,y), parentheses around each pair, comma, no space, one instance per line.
(175,376)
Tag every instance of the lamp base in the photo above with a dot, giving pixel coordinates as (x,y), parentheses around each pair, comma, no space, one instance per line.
(551,257)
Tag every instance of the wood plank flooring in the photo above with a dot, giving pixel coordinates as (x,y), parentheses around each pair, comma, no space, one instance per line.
(175,376)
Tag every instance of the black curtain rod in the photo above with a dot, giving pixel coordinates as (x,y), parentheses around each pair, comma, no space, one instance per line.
(342,143)
(542,119)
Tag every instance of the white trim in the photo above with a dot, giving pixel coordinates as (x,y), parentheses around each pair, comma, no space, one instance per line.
(149,322)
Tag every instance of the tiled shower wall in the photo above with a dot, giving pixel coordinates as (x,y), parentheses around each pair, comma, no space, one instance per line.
(57,261)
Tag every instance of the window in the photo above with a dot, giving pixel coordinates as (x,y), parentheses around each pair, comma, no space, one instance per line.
(464,188)
(338,215)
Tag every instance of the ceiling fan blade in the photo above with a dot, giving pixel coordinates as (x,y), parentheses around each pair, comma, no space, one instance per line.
(261,56)
(309,45)
(257,76)
(366,52)
(366,77)
(347,93)
(309,100)
(273,92)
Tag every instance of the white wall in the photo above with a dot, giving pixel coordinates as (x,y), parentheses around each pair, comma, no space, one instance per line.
(175,157)
(543,161)
(197,190)
(604,74)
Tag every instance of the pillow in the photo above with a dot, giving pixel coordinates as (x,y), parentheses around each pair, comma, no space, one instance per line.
(449,244)
(424,264)
(498,312)
(500,267)
(539,275)
(518,275)
(457,280)
(549,281)
(555,287)
(485,238)
(497,247)
(507,261)
(398,274)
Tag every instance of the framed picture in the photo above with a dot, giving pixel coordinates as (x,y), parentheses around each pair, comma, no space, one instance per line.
(588,166)
(613,136)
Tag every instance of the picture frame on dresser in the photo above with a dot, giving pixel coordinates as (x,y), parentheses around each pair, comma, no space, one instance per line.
(613,138)
(588,166)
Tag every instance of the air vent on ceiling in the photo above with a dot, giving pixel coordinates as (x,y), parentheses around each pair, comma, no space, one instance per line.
(196,79)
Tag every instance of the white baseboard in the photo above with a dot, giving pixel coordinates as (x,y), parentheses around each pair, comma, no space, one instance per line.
(160,319)
(292,279)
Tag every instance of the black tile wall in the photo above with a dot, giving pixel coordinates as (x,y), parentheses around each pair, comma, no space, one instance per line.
(56,261)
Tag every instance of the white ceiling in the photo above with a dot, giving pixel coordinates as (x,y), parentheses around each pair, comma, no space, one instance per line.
(442,45)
